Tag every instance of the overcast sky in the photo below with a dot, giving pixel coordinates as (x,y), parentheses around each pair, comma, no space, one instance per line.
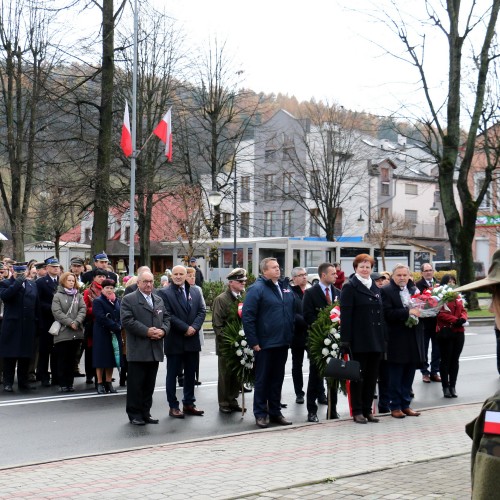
(308,49)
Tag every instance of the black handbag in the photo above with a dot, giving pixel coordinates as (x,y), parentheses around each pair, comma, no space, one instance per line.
(340,369)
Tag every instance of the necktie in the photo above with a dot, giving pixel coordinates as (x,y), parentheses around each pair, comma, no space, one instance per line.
(327,295)
(149,300)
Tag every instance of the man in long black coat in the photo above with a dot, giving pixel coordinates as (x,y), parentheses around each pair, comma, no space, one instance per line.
(315,299)
(17,335)
(405,345)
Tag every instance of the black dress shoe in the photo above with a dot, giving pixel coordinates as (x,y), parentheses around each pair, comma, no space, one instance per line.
(299,400)
(137,421)
(27,387)
(312,417)
(8,388)
(453,392)
(360,419)
(372,419)
(323,400)
(46,383)
(283,405)
(447,392)
(237,408)
(197,382)
(78,374)
(151,420)
(261,422)
(279,419)
(225,409)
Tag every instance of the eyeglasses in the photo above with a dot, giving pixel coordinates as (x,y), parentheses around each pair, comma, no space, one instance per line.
(301,275)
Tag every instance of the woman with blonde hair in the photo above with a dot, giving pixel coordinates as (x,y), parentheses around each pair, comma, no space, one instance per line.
(69,309)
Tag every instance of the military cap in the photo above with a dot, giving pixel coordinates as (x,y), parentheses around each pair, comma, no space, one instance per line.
(376,276)
(238,274)
(40,265)
(20,267)
(52,261)
(77,261)
(101,256)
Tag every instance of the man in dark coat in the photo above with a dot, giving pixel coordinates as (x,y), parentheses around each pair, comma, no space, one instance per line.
(268,322)
(316,298)
(405,345)
(146,322)
(17,335)
(47,287)
(187,312)
(227,386)
(199,279)
(298,346)
(430,337)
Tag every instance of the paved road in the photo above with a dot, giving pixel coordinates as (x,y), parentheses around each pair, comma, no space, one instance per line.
(48,426)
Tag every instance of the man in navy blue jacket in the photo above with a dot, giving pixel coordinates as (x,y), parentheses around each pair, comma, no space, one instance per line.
(268,322)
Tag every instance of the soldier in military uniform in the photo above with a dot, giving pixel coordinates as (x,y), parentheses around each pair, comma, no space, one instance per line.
(227,386)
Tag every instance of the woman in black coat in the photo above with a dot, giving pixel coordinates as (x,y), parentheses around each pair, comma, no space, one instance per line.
(106,310)
(362,333)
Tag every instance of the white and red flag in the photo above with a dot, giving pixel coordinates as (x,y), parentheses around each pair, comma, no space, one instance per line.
(492,422)
(126,140)
(164,131)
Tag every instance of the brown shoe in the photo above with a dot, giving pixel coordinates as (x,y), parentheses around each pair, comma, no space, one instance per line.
(426,379)
(279,419)
(192,410)
(411,413)
(435,378)
(359,419)
(397,414)
(262,422)
(176,413)
(372,419)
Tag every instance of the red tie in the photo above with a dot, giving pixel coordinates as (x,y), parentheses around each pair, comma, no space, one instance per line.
(327,295)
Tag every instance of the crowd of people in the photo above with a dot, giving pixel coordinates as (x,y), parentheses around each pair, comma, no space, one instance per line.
(134,334)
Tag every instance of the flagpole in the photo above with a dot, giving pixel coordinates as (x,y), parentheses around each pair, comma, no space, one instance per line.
(131,250)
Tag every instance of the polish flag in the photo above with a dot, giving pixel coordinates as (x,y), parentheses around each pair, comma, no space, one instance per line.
(126,140)
(164,131)
(492,422)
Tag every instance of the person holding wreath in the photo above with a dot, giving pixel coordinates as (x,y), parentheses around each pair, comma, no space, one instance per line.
(107,331)
(363,334)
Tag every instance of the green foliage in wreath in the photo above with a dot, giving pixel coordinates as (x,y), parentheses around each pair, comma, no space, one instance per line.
(238,354)
(324,343)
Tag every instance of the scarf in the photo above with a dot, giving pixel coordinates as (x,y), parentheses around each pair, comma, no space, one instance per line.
(366,281)
(94,291)
(71,291)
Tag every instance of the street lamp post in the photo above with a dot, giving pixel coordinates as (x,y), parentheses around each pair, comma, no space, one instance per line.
(235,220)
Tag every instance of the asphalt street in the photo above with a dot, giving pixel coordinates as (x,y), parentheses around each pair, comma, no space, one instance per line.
(44,425)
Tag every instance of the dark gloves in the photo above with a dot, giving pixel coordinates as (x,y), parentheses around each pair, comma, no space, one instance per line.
(459,322)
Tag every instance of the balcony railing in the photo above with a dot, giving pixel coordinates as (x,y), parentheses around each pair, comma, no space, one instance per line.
(422,230)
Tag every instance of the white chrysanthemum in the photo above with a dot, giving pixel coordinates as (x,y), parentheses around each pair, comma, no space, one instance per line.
(335,346)
(239,352)
(337,335)
(243,343)
(242,361)
(241,333)
(236,344)
(325,351)
(327,341)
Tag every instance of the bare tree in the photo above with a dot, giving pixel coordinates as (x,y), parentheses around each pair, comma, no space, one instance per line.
(449,132)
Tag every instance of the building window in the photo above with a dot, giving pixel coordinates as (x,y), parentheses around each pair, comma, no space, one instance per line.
(287,223)
(287,183)
(225,225)
(385,191)
(245,224)
(269,187)
(314,227)
(411,216)
(384,174)
(127,234)
(87,236)
(270,151)
(269,223)
(478,184)
(245,189)
(411,188)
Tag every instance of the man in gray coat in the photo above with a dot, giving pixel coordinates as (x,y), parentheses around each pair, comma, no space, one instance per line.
(146,322)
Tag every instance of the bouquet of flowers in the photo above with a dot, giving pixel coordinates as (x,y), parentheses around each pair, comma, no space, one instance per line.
(324,339)
(119,291)
(430,302)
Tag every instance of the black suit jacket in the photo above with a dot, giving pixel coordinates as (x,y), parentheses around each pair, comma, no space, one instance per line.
(314,300)
(422,284)
(429,323)
(405,344)
(182,317)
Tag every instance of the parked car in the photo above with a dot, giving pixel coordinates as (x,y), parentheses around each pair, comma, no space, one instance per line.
(446,265)
(312,275)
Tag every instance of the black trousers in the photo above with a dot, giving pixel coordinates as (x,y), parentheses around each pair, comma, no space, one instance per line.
(9,370)
(46,354)
(450,347)
(315,388)
(363,391)
(141,382)
(65,355)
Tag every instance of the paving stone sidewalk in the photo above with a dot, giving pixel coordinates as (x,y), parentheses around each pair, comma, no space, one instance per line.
(271,460)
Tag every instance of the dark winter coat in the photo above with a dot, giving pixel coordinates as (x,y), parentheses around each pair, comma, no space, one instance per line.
(362,317)
(182,317)
(300,326)
(404,344)
(19,325)
(46,288)
(268,316)
(106,323)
